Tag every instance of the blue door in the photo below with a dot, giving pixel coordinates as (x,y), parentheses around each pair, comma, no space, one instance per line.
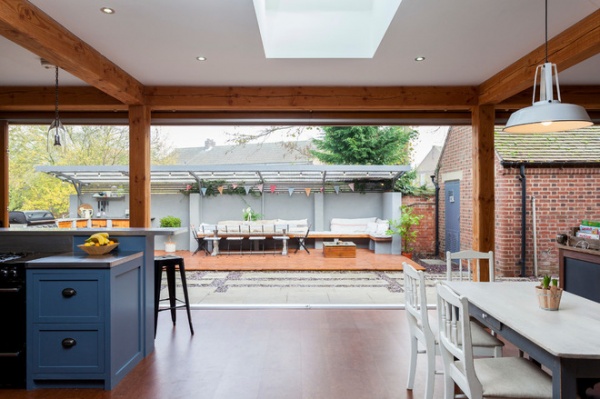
(452,202)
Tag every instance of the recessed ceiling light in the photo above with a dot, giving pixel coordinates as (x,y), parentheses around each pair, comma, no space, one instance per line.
(420,59)
(201,58)
(107,10)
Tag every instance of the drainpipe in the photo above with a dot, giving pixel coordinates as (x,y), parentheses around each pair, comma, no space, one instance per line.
(523,218)
(437,215)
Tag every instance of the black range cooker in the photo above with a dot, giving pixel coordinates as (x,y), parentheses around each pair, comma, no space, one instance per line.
(12,318)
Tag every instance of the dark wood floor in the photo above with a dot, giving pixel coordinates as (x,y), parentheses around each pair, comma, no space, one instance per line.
(261,354)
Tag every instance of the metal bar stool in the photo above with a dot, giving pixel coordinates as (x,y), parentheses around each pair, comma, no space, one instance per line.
(168,263)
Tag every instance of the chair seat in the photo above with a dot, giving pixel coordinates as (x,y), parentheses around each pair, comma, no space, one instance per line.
(511,377)
(257,238)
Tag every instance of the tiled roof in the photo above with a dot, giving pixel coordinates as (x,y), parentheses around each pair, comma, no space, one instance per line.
(263,153)
(577,147)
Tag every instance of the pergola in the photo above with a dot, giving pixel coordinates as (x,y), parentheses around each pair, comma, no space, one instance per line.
(173,178)
(112,95)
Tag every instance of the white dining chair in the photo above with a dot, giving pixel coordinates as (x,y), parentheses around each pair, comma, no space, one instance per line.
(469,260)
(423,333)
(501,377)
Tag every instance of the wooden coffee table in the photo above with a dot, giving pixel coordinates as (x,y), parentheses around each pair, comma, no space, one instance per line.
(341,249)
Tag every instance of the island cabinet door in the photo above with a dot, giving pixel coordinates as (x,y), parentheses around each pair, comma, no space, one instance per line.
(65,296)
(68,351)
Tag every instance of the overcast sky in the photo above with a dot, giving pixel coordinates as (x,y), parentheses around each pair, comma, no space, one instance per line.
(196,136)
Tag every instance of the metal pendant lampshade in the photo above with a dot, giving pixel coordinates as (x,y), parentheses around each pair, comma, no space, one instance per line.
(56,129)
(548,114)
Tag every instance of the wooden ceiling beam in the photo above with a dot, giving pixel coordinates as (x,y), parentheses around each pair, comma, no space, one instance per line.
(586,96)
(29,27)
(28,98)
(574,45)
(310,98)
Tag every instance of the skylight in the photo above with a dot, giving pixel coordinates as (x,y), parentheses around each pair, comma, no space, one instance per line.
(323,28)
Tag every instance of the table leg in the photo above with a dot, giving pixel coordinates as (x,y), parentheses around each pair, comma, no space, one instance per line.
(285,248)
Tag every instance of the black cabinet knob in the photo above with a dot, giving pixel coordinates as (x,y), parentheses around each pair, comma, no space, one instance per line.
(68,292)
(68,343)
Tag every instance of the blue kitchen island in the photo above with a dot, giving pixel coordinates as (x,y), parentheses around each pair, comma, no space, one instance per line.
(103,329)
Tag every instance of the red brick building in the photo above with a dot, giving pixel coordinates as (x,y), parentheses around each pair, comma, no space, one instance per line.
(556,176)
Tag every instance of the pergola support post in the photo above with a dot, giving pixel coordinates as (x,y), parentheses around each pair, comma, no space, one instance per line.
(483,182)
(4,174)
(139,166)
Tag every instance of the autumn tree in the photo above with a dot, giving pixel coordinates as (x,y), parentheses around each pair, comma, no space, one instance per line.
(83,145)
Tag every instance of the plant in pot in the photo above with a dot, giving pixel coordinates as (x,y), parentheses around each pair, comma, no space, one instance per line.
(170,221)
(548,293)
(404,226)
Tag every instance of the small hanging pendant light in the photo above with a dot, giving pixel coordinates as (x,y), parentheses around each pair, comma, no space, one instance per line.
(56,129)
(548,114)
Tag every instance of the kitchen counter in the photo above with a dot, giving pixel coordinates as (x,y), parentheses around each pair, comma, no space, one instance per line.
(57,242)
(83,261)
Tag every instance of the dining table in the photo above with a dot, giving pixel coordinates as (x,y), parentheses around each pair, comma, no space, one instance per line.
(565,341)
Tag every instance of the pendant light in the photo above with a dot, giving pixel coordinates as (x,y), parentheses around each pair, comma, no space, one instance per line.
(548,114)
(56,129)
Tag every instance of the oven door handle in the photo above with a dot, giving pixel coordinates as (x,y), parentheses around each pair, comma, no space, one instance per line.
(9,290)
(10,354)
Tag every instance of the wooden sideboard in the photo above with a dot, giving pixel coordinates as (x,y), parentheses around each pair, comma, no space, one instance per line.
(579,271)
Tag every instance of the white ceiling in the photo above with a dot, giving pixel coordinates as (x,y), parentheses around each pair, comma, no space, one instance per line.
(156,41)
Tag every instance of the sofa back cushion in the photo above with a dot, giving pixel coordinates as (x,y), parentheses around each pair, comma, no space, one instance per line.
(357,225)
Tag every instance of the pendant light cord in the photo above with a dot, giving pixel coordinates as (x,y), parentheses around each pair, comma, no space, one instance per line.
(56,98)
(546,26)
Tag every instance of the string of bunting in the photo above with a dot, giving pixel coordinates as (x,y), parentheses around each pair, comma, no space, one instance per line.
(273,189)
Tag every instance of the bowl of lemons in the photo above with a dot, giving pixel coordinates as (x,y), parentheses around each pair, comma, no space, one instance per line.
(99,244)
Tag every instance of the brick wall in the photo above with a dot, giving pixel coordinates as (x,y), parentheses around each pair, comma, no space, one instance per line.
(564,196)
(457,156)
(423,205)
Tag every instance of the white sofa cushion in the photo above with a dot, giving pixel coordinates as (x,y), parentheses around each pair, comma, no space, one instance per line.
(357,225)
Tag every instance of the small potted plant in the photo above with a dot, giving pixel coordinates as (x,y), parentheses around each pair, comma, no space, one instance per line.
(404,226)
(548,293)
(170,221)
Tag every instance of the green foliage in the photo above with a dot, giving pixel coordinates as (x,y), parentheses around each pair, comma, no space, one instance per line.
(83,145)
(365,145)
(370,145)
(546,281)
(404,227)
(249,215)
(170,221)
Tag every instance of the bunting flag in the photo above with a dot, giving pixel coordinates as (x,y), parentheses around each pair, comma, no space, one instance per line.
(260,187)
(337,189)
(203,191)
(351,185)
(273,188)
(247,188)
(220,188)
(307,191)
(291,191)
(234,186)
(322,189)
